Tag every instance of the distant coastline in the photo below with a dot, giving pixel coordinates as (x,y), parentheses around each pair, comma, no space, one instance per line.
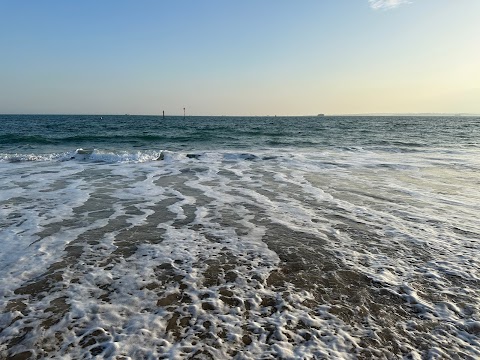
(309,115)
(410,114)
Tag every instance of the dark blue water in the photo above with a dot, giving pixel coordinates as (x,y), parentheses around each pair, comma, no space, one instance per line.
(59,133)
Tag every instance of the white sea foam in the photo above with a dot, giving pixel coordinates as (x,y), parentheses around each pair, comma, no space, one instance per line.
(80,155)
(232,254)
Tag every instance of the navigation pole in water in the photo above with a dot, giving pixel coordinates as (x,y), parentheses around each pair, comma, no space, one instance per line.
(183,113)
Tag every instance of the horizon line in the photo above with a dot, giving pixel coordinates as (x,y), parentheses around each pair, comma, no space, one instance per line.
(457,114)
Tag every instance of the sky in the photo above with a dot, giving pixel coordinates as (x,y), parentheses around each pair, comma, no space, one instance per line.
(249,57)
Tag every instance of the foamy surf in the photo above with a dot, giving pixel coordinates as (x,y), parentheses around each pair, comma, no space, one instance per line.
(110,157)
(345,252)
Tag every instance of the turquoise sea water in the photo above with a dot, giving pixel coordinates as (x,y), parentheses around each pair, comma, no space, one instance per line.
(235,237)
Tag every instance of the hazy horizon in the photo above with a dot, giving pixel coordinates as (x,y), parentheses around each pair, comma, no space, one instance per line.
(240,115)
(240,59)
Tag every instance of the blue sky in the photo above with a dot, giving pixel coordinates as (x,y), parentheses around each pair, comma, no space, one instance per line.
(247,57)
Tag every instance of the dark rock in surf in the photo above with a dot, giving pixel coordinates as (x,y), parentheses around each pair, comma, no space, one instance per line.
(248,157)
(193,156)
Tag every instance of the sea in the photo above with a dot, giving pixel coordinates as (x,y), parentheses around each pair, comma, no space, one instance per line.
(322,237)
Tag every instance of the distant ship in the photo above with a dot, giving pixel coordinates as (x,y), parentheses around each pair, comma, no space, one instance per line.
(321,115)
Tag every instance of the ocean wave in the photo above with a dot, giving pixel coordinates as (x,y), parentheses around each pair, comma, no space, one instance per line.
(96,156)
(90,155)
(24,139)
(112,138)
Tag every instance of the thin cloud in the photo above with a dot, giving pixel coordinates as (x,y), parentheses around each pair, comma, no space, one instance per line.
(386,4)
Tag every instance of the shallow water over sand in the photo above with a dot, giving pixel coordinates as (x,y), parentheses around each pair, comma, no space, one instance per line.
(315,255)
